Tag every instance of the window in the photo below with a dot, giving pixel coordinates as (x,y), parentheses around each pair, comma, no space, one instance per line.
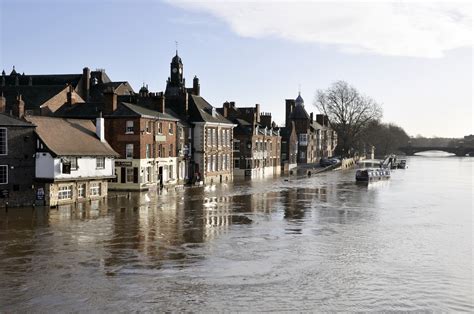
(220,163)
(65,192)
(148,150)
(170,172)
(303,139)
(129,127)
(236,163)
(209,164)
(99,163)
(160,148)
(214,137)
(221,137)
(209,137)
(3,141)
(149,126)
(3,174)
(171,151)
(129,175)
(73,161)
(214,161)
(160,128)
(81,190)
(129,151)
(170,130)
(237,146)
(149,172)
(95,188)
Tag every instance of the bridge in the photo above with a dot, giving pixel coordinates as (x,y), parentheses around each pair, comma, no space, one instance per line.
(458,150)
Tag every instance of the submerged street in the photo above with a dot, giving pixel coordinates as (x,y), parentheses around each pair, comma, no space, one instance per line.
(319,243)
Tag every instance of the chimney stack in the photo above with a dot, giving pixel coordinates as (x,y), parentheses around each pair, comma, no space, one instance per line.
(100,127)
(196,86)
(225,109)
(19,107)
(311,117)
(320,119)
(290,106)
(161,103)
(3,103)
(110,101)
(257,113)
(86,83)
(70,99)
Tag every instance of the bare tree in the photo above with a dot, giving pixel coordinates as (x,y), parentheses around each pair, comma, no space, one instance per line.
(349,113)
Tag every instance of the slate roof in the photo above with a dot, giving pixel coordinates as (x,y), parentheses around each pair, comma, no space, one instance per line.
(86,110)
(33,96)
(129,110)
(45,79)
(7,120)
(201,111)
(70,137)
(97,91)
(299,113)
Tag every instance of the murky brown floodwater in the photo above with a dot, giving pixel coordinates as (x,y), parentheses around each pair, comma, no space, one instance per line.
(320,243)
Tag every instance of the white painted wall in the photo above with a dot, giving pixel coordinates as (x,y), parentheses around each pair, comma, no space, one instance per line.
(51,168)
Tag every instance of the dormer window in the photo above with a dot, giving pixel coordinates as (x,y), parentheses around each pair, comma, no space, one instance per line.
(213,112)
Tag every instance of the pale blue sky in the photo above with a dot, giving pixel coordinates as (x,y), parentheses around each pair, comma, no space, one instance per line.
(415,61)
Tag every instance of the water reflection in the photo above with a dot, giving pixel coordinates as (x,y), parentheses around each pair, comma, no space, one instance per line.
(321,242)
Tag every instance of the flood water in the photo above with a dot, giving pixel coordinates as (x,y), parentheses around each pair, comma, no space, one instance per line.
(321,243)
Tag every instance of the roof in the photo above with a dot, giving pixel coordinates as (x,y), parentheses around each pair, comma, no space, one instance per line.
(176,58)
(7,120)
(97,91)
(202,111)
(127,110)
(299,100)
(44,79)
(70,137)
(33,96)
(86,110)
(299,113)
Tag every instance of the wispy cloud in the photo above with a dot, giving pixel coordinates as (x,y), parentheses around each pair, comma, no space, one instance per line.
(402,28)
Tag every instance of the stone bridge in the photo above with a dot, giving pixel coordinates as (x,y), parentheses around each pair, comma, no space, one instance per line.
(459,150)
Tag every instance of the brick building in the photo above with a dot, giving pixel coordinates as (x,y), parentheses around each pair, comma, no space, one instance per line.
(45,94)
(146,139)
(256,141)
(17,161)
(209,133)
(315,140)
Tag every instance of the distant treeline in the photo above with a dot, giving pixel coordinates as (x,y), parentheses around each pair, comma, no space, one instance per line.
(421,141)
(387,138)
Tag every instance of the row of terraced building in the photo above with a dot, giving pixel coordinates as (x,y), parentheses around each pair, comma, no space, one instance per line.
(73,137)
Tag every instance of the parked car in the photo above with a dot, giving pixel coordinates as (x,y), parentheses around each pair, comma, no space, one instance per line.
(326,162)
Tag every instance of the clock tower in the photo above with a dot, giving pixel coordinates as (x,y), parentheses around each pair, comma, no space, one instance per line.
(175,82)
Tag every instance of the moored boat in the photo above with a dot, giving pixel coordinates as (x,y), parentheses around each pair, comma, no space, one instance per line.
(402,164)
(369,174)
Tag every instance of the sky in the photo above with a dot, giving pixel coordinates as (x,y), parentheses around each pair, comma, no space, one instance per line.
(413,58)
